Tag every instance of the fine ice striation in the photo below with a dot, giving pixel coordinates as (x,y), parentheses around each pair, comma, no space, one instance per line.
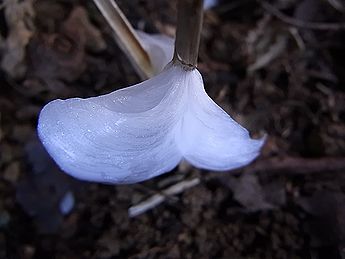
(145,130)
(159,47)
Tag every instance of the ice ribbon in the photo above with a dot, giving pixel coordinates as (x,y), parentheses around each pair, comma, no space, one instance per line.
(142,131)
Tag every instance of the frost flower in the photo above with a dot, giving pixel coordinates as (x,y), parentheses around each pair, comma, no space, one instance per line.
(145,130)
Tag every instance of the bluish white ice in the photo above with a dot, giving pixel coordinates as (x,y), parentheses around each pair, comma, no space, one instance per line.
(145,130)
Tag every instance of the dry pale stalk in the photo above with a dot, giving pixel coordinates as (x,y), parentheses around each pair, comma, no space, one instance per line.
(126,37)
(158,198)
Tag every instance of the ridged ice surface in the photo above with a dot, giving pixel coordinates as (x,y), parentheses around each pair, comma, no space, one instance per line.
(142,131)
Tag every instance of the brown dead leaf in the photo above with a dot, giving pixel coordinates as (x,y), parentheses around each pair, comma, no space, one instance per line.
(249,193)
(327,225)
(12,172)
(56,58)
(79,19)
(19,17)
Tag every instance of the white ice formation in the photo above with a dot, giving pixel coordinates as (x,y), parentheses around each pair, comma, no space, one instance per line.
(145,130)
(210,3)
(159,47)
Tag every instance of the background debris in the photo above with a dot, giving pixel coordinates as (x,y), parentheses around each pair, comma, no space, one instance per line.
(45,192)
(287,204)
(19,17)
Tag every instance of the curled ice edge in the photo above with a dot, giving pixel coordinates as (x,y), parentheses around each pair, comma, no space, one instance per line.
(145,130)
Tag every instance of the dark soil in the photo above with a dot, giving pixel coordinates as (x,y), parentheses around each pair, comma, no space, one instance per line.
(278,68)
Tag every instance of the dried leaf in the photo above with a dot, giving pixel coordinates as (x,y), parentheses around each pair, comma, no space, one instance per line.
(79,20)
(248,191)
(327,226)
(19,17)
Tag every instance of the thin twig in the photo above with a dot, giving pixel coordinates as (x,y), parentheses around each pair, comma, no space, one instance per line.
(299,23)
(275,165)
(298,165)
(290,166)
(158,198)
(126,37)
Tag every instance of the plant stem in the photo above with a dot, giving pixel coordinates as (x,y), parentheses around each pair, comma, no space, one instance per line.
(189,24)
(126,37)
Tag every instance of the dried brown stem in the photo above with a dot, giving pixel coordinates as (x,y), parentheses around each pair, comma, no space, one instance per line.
(288,166)
(299,23)
(189,24)
(126,37)
(298,165)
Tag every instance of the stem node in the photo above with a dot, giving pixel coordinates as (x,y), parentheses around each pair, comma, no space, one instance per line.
(189,24)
